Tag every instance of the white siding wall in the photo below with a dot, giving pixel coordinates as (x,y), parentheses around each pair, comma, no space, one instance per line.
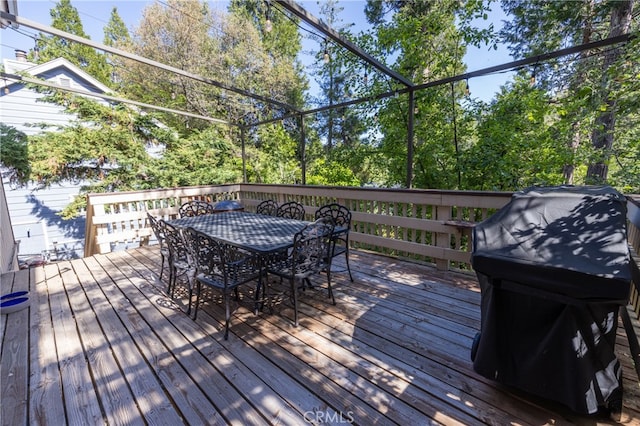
(22,106)
(8,249)
(37,225)
(33,212)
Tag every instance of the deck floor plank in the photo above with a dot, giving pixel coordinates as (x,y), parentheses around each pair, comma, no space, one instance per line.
(80,398)
(223,385)
(14,364)
(117,401)
(435,380)
(254,375)
(142,383)
(46,405)
(105,344)
(369,341)
(158,360)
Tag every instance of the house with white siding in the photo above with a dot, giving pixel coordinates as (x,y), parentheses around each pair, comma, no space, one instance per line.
(22,107)
(33,211)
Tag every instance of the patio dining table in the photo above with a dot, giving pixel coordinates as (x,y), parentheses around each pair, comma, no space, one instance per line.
(260,234)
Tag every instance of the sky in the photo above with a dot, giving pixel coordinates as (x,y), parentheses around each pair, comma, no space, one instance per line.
(95,14)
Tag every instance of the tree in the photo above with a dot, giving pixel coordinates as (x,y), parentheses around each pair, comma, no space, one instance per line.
(117,35)
(584,86)
(331,76)
(279,145)
(277,159)
(224,47)
(427,45)
(13,153)
(604,126)
(517,141)
(65,17)
(106,146)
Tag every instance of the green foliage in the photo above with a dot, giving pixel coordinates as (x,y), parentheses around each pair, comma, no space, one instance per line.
(228,48)
(275,157)
(529,135)
(105,146)
(427,45)
(116,33)
(331,173)
(13,152)
(517,143)
(204,158)
(594,88)
(65,17)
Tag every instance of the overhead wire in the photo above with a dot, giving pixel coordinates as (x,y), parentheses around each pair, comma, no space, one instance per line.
(403,90)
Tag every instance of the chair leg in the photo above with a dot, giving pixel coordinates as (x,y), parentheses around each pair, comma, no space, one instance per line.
(225,296)
(172,274)
(330,289)
(161,265)
(294,291)
(346,256)
(257,302)
(190,298)
(175,282)
(198,291)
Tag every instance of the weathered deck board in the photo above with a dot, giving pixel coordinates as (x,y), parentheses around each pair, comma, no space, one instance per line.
(14,364)
(103,343)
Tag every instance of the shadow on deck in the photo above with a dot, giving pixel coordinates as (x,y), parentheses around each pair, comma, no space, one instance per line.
(103,343)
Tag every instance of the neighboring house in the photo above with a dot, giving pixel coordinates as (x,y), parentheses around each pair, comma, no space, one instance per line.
(20,105)
(33,211)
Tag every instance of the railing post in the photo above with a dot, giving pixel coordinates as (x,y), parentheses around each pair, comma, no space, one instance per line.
(443,213)
(89,229)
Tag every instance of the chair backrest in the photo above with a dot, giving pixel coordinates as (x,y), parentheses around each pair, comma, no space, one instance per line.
(195,208)
(340,214)
(267,207)
(219,260)
(291,210)
(204,251)
(157,228)
(178,251)
(311,247)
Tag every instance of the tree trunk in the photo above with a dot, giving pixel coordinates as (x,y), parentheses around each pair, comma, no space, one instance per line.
(602,135)
(569,168)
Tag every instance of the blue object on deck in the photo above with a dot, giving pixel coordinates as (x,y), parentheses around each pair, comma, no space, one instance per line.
(13,305)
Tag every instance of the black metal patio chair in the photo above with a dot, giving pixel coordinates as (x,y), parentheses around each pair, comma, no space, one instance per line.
(223,267)
(291,210)
(341,216)
(179,262)
(158,231)
(267,207)
(195,208)
(309,256)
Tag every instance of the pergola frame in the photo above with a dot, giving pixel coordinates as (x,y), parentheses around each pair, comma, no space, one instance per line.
(410,88)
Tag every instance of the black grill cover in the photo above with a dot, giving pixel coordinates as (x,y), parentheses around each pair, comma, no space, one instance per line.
(569,240)
(553,267)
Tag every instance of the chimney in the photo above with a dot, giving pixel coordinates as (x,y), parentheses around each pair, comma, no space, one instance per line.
(21,55)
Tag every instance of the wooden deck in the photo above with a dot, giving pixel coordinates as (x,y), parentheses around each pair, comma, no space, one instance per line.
(103,344)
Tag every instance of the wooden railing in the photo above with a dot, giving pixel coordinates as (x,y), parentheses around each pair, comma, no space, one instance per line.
(119,219)
(631,324)
(423,225)
(633,235)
